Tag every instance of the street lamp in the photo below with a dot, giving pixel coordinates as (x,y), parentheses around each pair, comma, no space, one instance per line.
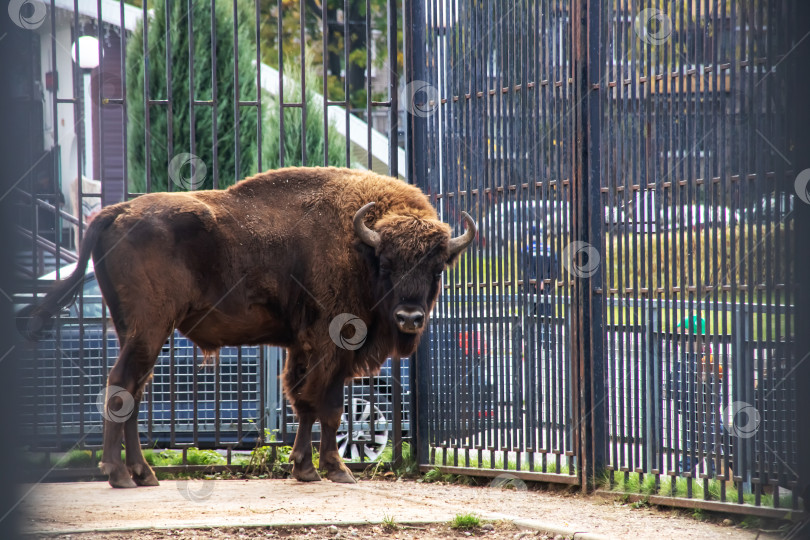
(86,48)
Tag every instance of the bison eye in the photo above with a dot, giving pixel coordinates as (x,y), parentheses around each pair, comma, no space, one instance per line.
(438,276)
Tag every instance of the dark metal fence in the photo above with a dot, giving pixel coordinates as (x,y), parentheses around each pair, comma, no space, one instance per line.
(178,96)
(629,313)
(627,317)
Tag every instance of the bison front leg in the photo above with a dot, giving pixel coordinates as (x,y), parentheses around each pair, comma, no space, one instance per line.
(301,456)
(296,387)
(336,470)
(330,416)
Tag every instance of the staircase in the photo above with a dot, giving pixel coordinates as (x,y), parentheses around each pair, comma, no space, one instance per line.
(44,236)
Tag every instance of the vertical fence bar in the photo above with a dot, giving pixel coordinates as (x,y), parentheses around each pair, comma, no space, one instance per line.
(282,138)
(393,170)
(347,100)
(801,357)
(214,100)
(438,368)
(324,78)
(367,22)
(504,291)
(302,16)
(591,148)
(192,150)
(588,366)
(478,93)
(414,38)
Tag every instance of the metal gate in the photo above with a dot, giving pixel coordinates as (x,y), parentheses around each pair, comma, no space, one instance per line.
(628,316)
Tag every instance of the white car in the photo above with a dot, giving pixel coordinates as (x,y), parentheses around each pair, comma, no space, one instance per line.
(697,216)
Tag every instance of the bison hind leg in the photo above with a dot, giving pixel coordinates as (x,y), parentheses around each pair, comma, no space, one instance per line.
(125,386)
(142,473)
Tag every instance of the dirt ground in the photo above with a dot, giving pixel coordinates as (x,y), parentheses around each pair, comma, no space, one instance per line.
(494,531)
(286,509)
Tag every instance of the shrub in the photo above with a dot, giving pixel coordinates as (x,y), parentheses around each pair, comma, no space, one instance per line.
(756,260)
(293,126)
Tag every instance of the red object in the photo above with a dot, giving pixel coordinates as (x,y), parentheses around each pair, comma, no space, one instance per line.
(52,81)
(472,340)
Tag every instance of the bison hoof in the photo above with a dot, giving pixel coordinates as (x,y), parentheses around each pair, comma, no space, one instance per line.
(341,477)
(305,475)
(119,476)
(145,476)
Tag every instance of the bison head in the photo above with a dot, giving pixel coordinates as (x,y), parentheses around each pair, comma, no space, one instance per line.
(407,255)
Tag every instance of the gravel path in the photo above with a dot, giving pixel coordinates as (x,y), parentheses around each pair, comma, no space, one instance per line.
(286,505)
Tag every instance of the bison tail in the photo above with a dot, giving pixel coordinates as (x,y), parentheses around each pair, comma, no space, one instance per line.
(36,320)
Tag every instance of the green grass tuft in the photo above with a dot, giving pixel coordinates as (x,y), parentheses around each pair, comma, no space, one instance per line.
(75,458)
(267,461)
(471,460)
(195,456)
(648,485)
(409,465)
(465,522)
(433,475)
(388,523)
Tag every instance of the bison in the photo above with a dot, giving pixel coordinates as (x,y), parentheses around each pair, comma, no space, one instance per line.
(281,258)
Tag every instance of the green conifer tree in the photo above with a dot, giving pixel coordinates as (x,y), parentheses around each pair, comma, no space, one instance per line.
(232,123)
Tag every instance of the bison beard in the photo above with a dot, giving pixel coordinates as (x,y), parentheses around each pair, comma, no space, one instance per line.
(274,260)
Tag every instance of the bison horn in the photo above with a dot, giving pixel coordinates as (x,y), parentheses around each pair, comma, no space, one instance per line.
(460,243)
(365,234)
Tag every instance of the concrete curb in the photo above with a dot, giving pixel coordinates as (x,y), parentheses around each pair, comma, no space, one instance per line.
(550,528)
(222,525)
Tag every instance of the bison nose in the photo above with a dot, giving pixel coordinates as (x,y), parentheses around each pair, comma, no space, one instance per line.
(410,320)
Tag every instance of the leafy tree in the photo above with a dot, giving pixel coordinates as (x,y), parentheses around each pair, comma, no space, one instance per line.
(229,166)
(337,19)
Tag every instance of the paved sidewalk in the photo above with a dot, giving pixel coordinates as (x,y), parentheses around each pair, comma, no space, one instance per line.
(215,503)
(94,506)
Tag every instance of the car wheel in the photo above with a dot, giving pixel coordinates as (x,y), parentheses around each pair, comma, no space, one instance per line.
(369,431)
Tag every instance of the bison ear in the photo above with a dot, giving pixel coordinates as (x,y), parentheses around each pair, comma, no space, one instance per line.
(368,255)
(452,259)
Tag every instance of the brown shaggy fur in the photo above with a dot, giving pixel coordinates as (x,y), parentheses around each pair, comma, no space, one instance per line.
(270,260)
